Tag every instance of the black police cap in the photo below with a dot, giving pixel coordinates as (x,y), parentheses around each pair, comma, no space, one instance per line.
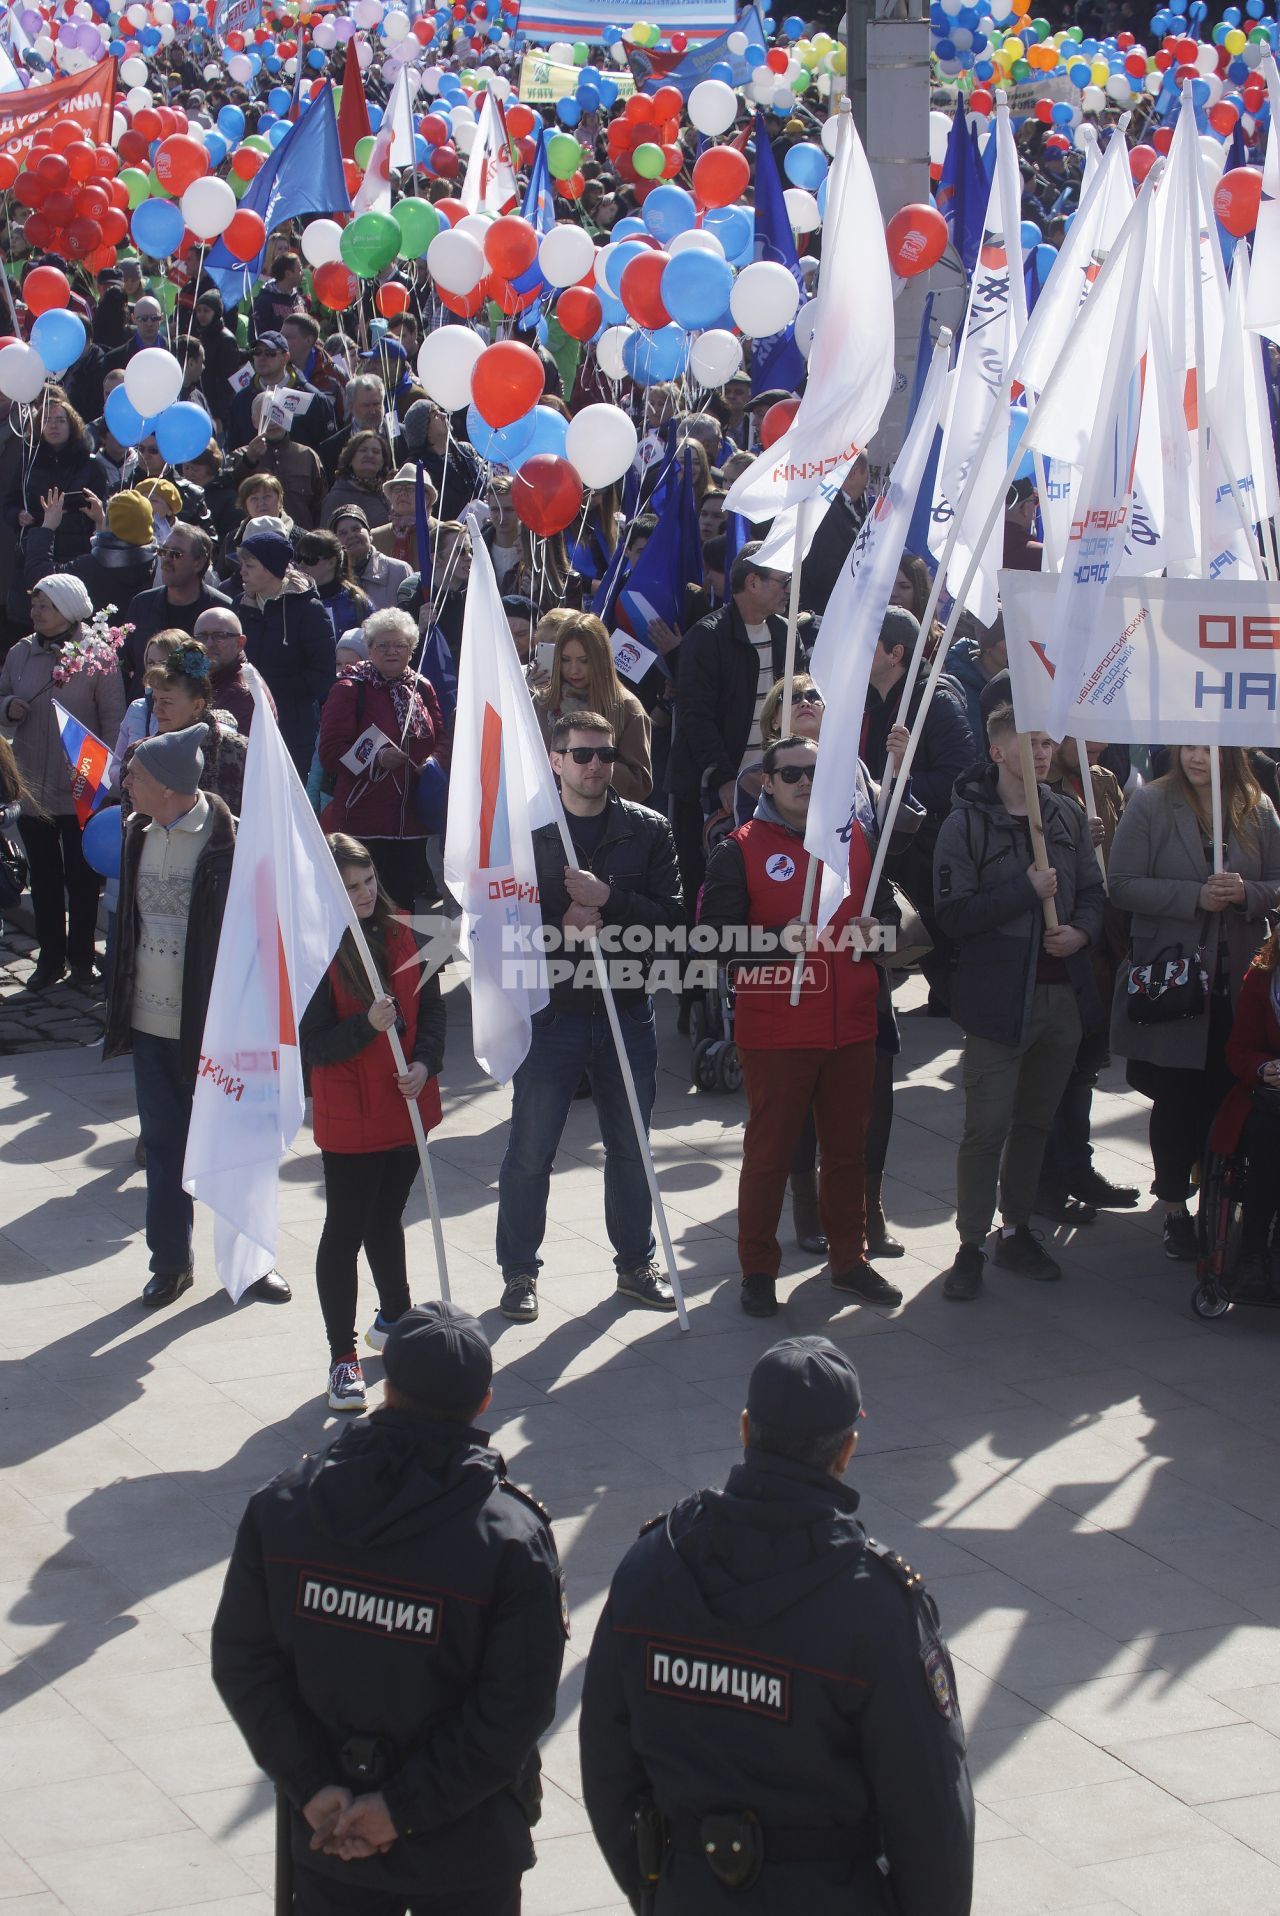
(438,1355)
(805,1385)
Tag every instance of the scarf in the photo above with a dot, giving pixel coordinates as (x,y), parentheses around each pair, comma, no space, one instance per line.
(411,714)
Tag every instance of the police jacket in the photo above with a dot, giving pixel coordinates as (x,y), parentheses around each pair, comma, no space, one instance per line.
(396,1586)
(758,1652)
(636,857)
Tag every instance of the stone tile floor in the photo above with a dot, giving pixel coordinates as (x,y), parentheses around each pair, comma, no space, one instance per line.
(1088,1476)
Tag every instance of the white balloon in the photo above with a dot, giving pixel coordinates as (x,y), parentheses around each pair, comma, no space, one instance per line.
(364,55)
(499,85)
(939,134)
(445,365)
(1207,58)
(764,299)
(618,54)
(167,36)
(133,72)
(465,136)
(715,357)
(324,36)
(565,254)
(208,207)
(367,13)
(713,107)
(603,256)
(138,96)
(396,26)
(560,53)
(137,15)
(161,13)
(782,99)
(152,381)
(239,68)
(321,242)
(475,224)
(120,125)
(22,372)
(738,43)
(600,444)
(1213,154)
(1093,99)
(460,116)
(806,319)
(802,210)
(608,351)
(695,240)
(1118,87)
(831,130)
(456,261)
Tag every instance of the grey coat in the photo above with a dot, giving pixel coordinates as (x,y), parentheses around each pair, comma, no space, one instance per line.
(95,698)
(1158,864)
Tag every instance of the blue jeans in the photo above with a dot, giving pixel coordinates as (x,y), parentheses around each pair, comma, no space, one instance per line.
(565,1044)
(164,1113)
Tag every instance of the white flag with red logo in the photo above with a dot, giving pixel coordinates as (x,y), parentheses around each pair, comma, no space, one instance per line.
(286,911)
(490,183)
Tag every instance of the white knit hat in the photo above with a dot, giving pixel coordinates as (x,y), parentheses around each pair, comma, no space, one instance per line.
(68,593)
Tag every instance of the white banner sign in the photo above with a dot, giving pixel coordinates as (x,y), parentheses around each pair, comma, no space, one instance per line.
(1174,661)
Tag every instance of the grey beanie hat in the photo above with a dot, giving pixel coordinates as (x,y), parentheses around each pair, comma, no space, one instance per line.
(175,758)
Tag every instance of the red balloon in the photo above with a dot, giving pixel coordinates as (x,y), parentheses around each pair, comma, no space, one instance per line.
(82,160)
(639,289)
(45,289)
(180,161)
(579,312)
(352,174)
(63,133)
(93,200)
(546,493)
(506,298)
(721,176)
(668,103)
(776,60)
(38,231)
(1162,139)
(246,161)
(29,190)
(168,121)
(451,210)
(673,160)
(510,246)
(84,236)
(445,161)
(521,120)
(391,299)
(98,261)
(334,284)
(60,206)
(777,419)
(1236,199)
(981,100)
(916,238)
(114,226)
(119,193)
(148,122)
(465,305)
(506,381)
(8,171)
(133,148)
(434,128)
(1141,160)
(53,169)
(247,235)
(1223,117)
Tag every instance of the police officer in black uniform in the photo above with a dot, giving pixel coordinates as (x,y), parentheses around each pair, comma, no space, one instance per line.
(389,1641)
(769,1717)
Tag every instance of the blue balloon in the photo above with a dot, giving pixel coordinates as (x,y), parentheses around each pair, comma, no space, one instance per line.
(568,112)
(1017,426)
(181,12)
(375,116)
(669,211)
(315,59)
(231,124)
(722,70)
(806,166)
(793,27)
(124,420)
(588,95)
(610,35)
(183,431)
(632,227)
(274,64)
(550,429)
(278,131)
(1046,259)
(735,228)
(617,264)
(217,149)
(157,227)
(613,312)
(651,357)
(58,337)
(102,841)
(608,89)
(500,445)
(696,288)
(1031,235)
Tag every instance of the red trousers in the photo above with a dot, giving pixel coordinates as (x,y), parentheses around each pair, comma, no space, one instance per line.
(782,1086)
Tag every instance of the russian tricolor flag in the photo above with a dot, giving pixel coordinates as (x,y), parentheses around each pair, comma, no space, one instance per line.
(91,762)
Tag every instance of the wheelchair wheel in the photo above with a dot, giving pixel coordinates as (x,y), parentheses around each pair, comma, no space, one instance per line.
(728,1068)
(704,1066)
(1207,1301)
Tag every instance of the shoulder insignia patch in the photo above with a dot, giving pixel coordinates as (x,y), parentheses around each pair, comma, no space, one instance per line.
(652,1524)
(531,1502)
(939,1680)
(908,1577)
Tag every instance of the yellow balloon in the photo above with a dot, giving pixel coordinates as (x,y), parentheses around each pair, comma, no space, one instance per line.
(1011,51)
(838,59)
(1099,72)
(1235,41)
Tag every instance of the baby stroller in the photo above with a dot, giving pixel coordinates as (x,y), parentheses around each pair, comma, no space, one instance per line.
(714,1062)
(1218,1230)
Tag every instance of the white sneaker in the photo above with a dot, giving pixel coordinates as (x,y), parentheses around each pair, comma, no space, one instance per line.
(346,1385)
(379,1331)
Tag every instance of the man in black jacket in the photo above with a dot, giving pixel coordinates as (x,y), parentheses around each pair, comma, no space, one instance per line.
(389,1642)
(769,1716)
(727,664)
(625,878)
(185,558)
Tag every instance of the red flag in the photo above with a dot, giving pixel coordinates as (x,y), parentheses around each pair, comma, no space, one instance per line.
(353,120)
(88,98)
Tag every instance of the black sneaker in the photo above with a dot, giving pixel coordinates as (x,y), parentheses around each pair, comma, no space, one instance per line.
(1180,1243)
(520,1299)
(867,1284)
(647,1286)
(1100,1191)
(963,1281)
(758,1296)
(1023,1253)
(1061,1209)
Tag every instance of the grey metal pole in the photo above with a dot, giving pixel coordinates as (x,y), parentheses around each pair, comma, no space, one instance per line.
(858,17)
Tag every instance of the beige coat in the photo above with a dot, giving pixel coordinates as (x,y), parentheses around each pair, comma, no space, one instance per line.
(95,698)
(1158,864)
(633,771)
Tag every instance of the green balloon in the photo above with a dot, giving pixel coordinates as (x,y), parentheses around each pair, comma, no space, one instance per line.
(370,243)
(580,53)
(1021,71)
(649,161)
(167,293)
(138,183)
(156,190)
(419,223)
(564,156)
(1043,29)
(256,141)
(364,148)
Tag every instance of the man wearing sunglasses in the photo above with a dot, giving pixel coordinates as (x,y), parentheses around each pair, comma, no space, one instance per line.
(272,370)
(624,884)
(818,1054)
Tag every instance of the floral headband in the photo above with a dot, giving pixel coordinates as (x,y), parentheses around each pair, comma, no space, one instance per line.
(190,661)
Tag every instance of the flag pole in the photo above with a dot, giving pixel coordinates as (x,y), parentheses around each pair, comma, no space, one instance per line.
(1195,236)
(793,614)
(806,906)
(629,1083)
(1039,850)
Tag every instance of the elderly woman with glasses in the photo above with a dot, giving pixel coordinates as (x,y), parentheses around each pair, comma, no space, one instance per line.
(380,728)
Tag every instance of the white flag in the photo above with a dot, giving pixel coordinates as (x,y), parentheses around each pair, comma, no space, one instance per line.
(500,790)
(489,185)
(286,911)
(851,359)
(848,637)
(975,445)
(1262,309)
(394,147)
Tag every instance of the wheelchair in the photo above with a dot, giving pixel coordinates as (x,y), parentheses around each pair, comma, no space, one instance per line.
(1218,1233)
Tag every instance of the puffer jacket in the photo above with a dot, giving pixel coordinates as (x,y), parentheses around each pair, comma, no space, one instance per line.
(987,904)
(95,698)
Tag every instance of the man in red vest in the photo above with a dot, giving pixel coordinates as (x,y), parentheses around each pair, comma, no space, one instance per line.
(818,1053)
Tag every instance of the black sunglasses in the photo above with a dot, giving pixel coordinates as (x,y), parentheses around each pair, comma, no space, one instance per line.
(792,774)
(583,754)
(812,697)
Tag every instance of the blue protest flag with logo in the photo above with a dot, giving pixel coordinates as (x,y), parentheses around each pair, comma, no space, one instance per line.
(540,211)
(672,559)
(777,360)
(962,192)
(303,175)
(699,61)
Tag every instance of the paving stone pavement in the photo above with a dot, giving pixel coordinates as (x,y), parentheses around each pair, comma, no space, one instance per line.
(1087,1475)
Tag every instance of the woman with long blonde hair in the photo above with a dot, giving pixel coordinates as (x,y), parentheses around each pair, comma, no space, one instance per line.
(585,679)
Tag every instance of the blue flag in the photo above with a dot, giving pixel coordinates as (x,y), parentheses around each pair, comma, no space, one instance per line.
(918,532)
(962,192)
(303,175)
(540,210)
(777,360)
(672,559)
(699,61)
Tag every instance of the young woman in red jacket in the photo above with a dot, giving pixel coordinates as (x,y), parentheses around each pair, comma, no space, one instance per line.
(359,1114)
(1252,1120)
